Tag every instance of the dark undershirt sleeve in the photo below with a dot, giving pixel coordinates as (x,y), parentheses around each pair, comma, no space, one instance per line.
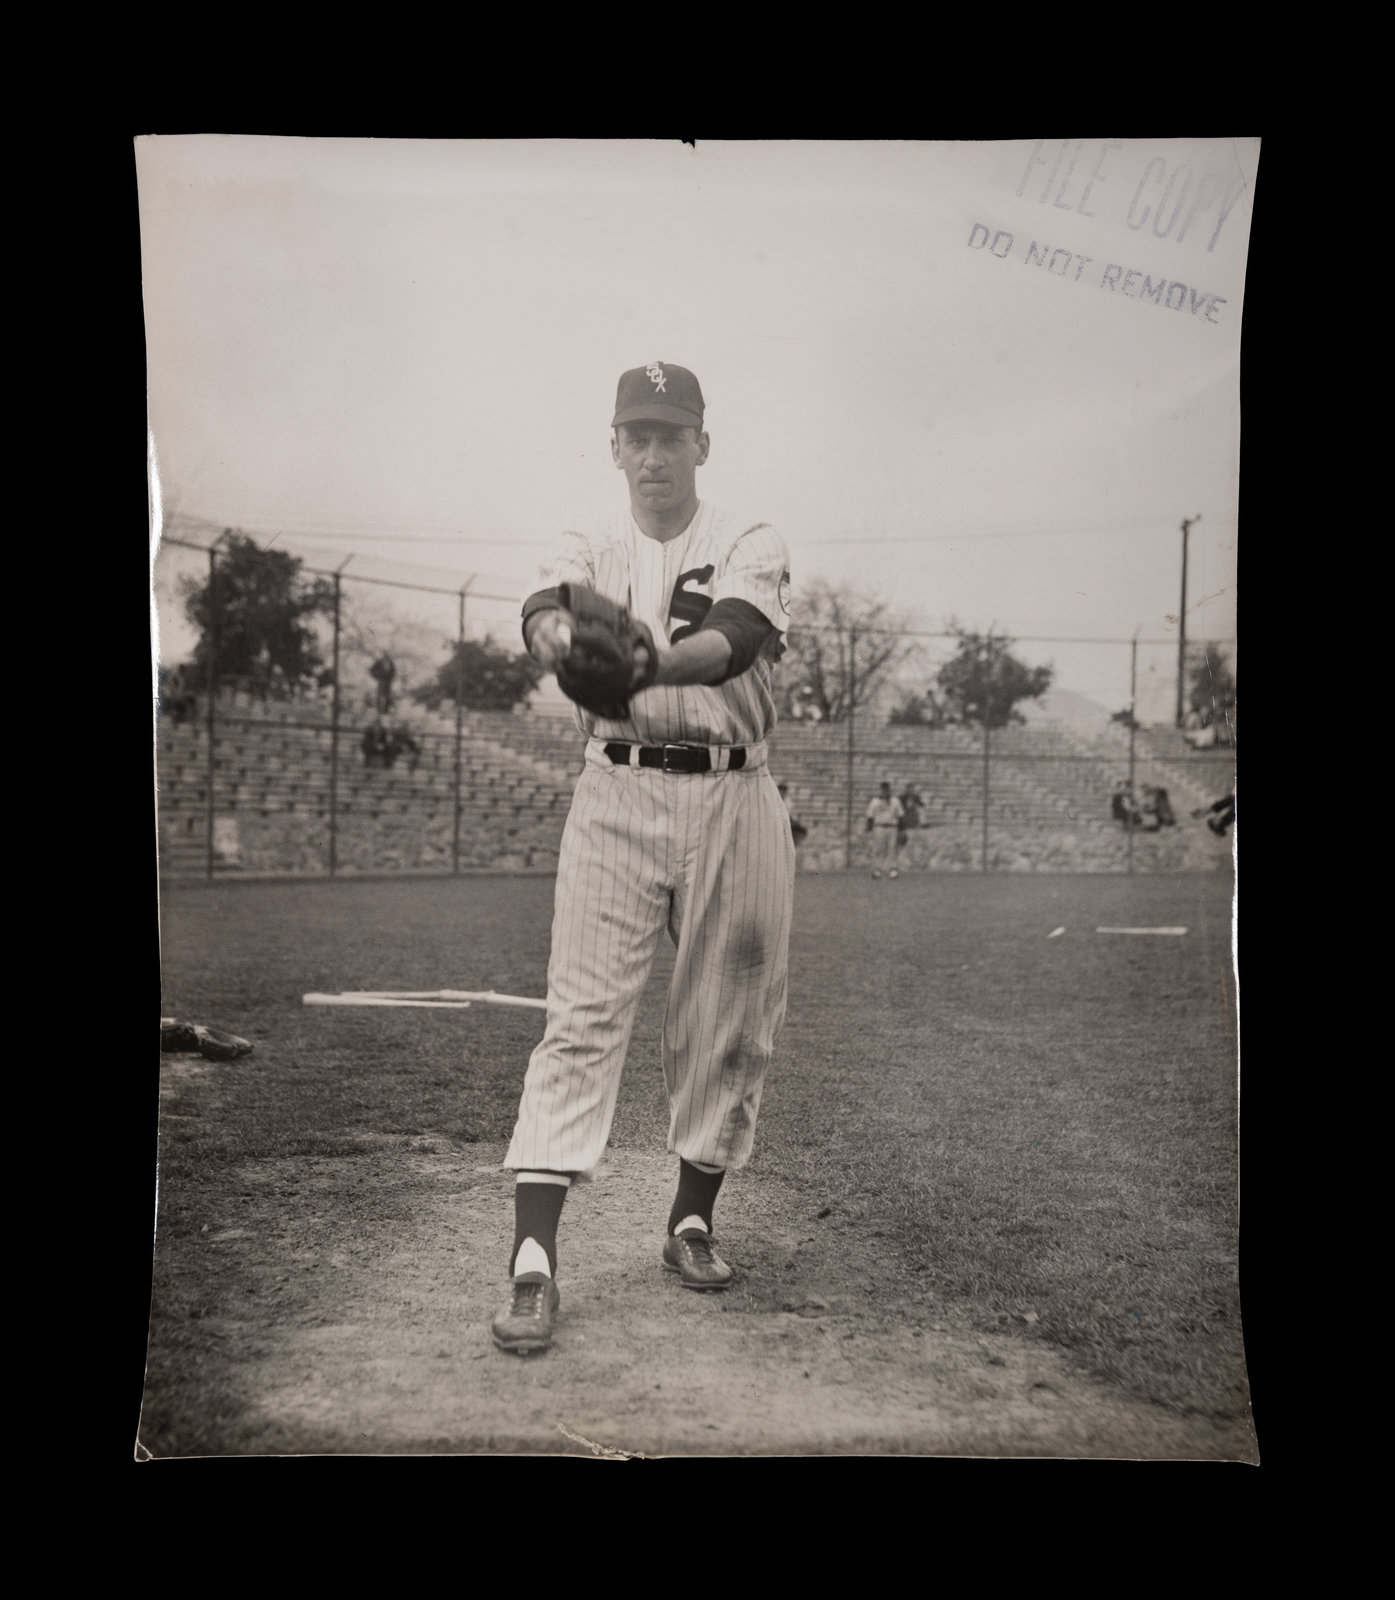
(746,630)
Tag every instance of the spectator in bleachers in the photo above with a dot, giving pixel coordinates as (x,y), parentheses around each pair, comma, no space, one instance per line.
(1162,808)
(178,697)
(804,707)
(260,687)
(1198,731)
(400,742)
(1219,814)
(1123,806)
(383,671)
(375,747)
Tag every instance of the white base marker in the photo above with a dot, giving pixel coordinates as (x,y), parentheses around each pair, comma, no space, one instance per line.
(1174,931)
(1055,933)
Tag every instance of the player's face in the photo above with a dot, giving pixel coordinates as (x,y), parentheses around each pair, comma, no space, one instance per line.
(660,463)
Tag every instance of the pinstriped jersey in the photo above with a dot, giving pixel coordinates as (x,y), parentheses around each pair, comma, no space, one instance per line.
(672,586)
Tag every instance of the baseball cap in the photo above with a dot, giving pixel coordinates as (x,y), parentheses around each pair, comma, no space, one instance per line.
(659,392)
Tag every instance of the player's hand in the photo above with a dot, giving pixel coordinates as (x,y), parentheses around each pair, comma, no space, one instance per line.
(550,641)
(611,655)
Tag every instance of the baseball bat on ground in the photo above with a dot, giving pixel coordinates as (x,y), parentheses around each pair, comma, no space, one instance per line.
(445,999)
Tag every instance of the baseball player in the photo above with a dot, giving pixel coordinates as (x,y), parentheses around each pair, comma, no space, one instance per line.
(883,823)
(675,827)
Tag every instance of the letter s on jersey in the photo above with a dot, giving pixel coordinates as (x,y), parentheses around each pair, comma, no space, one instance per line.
(688,607)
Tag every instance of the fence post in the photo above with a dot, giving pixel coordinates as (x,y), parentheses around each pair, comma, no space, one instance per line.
(459,717)
(334,734)
(1133,736)
(1182,627)
(211,720)
(985,791)
(852,750)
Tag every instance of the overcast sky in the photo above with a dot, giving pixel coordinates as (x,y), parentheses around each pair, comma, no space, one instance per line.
(407,350)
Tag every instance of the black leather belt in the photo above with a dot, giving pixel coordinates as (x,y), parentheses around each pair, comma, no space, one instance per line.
(675,757)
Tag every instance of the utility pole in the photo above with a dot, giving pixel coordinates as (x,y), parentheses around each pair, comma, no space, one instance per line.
(1187,526)
(334,727)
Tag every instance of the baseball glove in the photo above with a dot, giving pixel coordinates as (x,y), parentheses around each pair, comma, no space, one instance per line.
(601,671)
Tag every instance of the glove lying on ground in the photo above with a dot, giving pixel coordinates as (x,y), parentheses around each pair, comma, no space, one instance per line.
(211,1043)
(603,667)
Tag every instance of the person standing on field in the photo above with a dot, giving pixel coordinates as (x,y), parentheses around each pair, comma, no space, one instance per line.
(911,808)
(883,823)
(676,827)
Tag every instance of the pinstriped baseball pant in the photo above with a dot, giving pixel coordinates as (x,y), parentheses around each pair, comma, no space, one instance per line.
(707,857)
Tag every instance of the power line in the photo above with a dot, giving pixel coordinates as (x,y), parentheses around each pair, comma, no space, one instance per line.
(382,583)
(901,633)
(968,536)
(964,535)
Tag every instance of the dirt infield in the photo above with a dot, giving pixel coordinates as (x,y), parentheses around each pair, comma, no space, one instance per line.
(335,1222)
(385,1348)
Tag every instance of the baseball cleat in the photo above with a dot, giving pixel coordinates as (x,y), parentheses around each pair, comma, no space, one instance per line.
(211,1043)
(692,1255)
(526,1325)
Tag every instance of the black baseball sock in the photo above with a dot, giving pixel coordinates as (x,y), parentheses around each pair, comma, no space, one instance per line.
(537,1209)
(697,1194)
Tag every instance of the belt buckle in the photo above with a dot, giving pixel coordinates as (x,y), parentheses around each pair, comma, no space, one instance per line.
(666,748)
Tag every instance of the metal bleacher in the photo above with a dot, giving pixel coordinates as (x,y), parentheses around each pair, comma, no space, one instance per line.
(1048,791)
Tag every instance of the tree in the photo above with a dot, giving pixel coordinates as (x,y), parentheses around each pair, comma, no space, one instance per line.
(984,682)
(489,677)
(374,628)
(928,710)
(841,650)
(263,609)
(910,711)
(1212,694)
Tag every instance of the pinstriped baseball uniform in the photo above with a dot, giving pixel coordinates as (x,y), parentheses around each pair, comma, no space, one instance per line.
(706,856)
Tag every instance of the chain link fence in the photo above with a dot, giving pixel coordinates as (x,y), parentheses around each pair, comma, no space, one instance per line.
(353,773)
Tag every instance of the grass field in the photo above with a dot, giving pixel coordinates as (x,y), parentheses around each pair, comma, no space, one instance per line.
(1034,1137)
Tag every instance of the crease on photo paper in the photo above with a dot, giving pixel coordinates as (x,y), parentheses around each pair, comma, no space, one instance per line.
(156,534)
(1235,958)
